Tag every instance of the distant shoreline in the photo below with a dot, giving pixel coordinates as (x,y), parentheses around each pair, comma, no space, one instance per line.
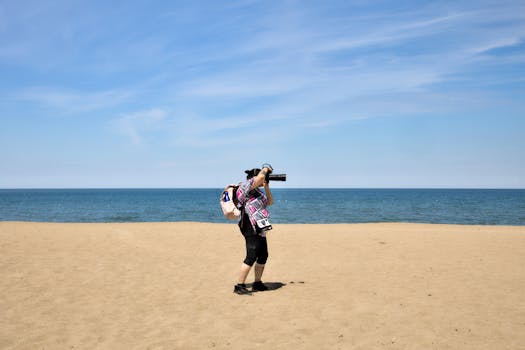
(281,187)
(234,223)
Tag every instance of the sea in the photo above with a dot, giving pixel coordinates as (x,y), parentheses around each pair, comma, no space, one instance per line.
(439,206)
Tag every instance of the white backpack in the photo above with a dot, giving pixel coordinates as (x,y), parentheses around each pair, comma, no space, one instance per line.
(229,203)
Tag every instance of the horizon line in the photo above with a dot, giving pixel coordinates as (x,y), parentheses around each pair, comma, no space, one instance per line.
(288,188)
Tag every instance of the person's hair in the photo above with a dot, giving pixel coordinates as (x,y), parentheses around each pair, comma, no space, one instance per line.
(252,173)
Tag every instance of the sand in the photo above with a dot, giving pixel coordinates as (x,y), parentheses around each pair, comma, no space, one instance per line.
(169,286)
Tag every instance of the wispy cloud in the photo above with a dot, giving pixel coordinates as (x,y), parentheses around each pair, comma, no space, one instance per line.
(68,101)
(496,44)
(389,34)
(134,125)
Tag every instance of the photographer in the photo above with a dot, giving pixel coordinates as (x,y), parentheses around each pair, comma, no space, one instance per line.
(254,224)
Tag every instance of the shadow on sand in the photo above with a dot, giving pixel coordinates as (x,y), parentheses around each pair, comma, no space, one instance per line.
(270,285)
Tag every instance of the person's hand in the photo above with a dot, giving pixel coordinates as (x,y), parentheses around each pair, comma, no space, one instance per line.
(267,166)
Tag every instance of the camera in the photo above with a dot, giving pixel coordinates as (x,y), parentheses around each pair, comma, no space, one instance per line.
(269,177)
(276,177)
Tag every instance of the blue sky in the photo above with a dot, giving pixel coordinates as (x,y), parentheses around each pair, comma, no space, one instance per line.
(191,93)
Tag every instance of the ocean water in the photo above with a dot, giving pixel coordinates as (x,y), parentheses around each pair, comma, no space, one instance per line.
(451,206)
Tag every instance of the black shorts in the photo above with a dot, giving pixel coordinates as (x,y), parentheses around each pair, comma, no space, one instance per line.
(256,249)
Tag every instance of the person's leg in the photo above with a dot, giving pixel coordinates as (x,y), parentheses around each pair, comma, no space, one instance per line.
(259,269)
(245,270)
(251,257)
(262,256)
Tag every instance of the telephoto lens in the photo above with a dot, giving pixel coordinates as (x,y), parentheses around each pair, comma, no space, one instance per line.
(277,177)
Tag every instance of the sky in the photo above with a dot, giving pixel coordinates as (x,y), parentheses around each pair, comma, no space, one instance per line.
(336,94)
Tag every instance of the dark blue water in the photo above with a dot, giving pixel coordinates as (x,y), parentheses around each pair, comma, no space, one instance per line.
(455,206)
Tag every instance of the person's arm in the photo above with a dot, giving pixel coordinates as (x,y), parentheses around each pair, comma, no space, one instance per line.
(269,195)
(260,178)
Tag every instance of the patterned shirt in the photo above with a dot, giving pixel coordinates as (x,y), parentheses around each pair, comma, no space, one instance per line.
(254,202)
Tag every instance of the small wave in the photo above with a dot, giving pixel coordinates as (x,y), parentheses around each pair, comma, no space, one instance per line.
(122,218)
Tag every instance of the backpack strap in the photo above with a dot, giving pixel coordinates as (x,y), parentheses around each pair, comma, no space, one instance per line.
(241,222)
(235,200)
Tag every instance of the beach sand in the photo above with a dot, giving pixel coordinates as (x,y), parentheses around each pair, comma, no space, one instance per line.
(348,286)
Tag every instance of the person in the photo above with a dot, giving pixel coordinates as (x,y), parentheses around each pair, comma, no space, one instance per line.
(254,223)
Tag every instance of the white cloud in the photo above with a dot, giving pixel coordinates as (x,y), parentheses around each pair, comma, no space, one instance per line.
(73,101)
(241,84)
(388,34)
(496,43)
(134,125)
